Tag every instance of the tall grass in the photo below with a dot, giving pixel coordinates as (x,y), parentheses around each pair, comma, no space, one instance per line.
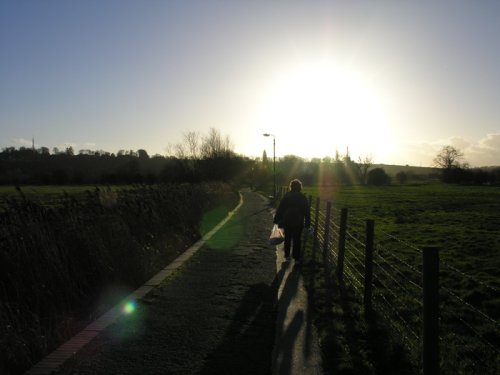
(56,261)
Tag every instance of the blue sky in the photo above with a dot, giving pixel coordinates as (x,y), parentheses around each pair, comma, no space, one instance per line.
(394,80)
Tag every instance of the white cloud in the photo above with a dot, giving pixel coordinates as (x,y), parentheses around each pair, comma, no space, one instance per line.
(479,153)
(22,142)
(65,145)
(491,141)
(459,143)
(420,154)
(485,152)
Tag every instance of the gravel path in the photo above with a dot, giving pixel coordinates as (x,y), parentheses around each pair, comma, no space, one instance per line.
(215,315)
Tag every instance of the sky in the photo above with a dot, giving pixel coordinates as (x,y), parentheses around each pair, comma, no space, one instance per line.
(394,81)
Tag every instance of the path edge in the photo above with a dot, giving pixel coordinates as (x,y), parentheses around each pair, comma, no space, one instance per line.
(53,361)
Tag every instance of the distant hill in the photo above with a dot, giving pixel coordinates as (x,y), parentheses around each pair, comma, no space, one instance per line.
(478,176)
(490,168)
(392,170)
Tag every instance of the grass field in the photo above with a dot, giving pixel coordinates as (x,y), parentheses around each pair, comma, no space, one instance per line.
(463,222)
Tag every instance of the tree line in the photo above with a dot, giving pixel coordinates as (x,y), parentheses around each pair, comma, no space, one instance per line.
(26,166)
(211,157)
(215,160)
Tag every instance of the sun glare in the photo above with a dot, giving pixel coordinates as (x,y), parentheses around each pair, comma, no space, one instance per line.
(329,107)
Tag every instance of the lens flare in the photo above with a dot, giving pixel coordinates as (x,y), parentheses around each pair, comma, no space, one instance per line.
(228,235)
(129,307)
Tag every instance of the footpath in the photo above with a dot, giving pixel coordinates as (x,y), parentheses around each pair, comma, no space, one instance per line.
(232,307)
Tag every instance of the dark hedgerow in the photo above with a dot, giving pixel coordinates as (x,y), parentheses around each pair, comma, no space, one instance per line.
(60,264)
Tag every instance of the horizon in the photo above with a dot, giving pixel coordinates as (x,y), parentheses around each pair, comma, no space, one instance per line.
(252,157)
(27,144)
(389,80)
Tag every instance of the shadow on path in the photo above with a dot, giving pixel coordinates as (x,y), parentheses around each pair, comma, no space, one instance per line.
(293,352)
(248,342)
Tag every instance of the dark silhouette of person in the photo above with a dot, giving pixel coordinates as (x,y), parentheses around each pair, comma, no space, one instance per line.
(293,215)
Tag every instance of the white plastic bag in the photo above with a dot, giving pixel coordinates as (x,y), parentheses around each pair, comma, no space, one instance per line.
(276,236)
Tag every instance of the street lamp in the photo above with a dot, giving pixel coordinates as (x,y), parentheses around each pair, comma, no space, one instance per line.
(274,162)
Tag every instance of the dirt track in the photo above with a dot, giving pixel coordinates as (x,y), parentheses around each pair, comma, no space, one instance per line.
(216,315)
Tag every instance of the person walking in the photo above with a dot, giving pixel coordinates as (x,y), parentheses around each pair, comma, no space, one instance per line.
(293,215)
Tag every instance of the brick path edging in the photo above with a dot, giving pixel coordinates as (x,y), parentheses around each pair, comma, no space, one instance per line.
(55,360)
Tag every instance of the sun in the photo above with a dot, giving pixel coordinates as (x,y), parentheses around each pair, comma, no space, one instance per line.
(318,108)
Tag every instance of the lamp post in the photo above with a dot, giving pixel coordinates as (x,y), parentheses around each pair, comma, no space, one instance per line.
(274,162)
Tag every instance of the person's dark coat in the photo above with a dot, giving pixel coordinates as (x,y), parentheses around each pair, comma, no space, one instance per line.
(293,211)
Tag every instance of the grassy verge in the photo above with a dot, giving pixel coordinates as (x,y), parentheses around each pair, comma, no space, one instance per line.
(351,341)
(62,264)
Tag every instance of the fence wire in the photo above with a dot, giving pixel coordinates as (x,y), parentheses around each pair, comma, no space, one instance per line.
(473,334)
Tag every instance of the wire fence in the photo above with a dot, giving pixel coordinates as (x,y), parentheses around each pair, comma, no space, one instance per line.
(391,278)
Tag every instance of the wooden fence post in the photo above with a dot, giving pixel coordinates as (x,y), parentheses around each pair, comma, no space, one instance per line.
(326,235)
(341,253)
(316,225)
(430,281)
(307,235)
(309,202)
(370,229)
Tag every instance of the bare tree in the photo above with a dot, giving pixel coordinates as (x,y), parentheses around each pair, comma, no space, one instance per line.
(364,164)
(180,150)
(177,150)
(196,147)
(449,158)
(215,146)
(192,141)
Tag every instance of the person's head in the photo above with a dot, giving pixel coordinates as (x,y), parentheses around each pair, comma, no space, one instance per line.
(295,185)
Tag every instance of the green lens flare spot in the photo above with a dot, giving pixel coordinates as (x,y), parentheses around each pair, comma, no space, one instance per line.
(212,218)
(129,307)
(228,235)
